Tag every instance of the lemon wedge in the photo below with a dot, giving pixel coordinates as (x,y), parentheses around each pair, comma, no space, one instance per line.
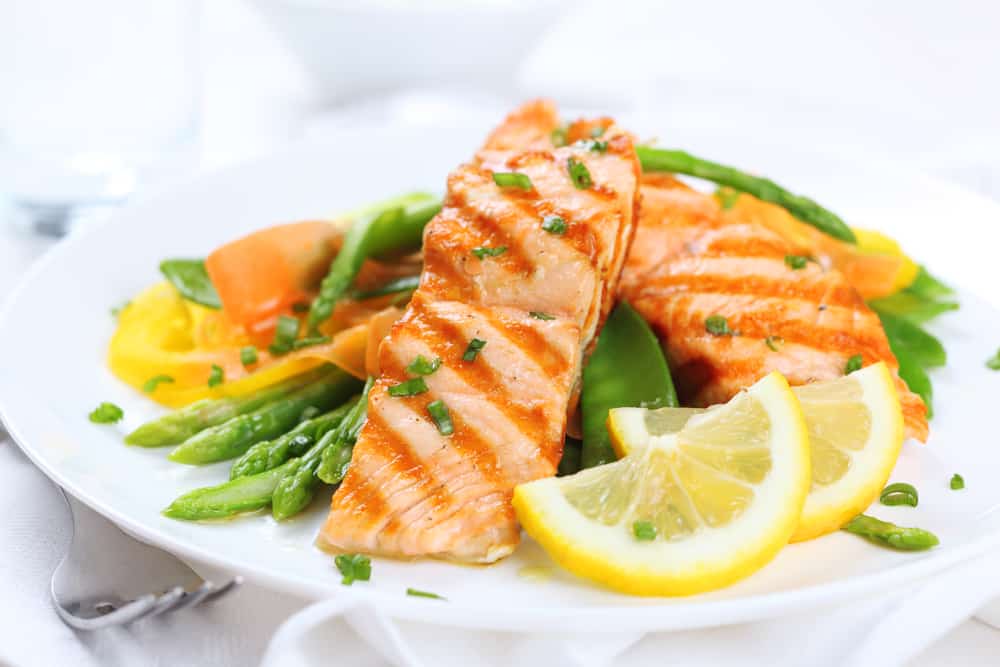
(855,433)
(694,509)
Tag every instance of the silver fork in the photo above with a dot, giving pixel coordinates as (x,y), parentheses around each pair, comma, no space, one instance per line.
(94,587)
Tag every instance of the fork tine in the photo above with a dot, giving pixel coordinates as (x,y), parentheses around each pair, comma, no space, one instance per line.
(167,601)
(223,589)
(194,597)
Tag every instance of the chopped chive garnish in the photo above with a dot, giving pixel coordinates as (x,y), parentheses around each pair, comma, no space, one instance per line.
(993,363)
(248,355)
(775,342)
(512,179)
(579,174)
(644,531)
(117,310)
(423,366)
(300,307)
(796,262)
(353,567)
(539,315)
(957,482)
(152,383)
(309,341)
(472,351)
(593,145)
(216,376)
(284,335)
(439,413)
(483,251)
(597,131)
(411,387)
(106,413)
(853,364)
(726,197)
(553,224)
(558,136)
(717,325)
(423,594)
(890,535)
(899,493)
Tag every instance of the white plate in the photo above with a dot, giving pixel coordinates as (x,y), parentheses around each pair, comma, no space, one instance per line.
(54,331)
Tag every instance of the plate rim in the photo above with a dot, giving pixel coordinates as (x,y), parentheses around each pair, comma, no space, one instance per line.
(672,613)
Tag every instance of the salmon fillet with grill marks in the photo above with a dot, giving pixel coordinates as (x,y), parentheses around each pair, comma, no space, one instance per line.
(412,491)
(689,262)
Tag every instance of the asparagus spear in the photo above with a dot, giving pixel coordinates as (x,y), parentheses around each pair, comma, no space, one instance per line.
(803,208)
(393,226)
(178,426)
(336,458)
(298,485)
(273,453)
(245,494)
(234,437)
(891,535)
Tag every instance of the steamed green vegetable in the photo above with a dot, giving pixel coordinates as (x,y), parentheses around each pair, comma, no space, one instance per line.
(234,437)
(273,453)
(178,426)
(335,459)
(627,369)
(245,494)
(803,208)
(190,278)
(890,535)
(390,227)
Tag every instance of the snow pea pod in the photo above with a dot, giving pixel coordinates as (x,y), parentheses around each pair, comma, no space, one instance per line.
(627,369)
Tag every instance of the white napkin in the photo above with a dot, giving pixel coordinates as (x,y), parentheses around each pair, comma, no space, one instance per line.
(250,623)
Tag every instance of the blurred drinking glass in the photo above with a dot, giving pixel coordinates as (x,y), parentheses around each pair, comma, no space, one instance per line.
(96,97)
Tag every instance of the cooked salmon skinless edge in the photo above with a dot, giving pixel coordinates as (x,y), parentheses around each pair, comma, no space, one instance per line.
(539,305)
(689,262)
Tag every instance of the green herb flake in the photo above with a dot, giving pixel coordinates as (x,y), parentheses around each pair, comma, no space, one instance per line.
(644,531)
(152,383)
(423,594)
(853,364)
(483,252)
(423,366)
(539,315)
(248,355)
(579,174)
(441,416)
(353,567)
(190,278)
(727,197)
(899,493)
(775,343)
(216,376)
(512,179)
(284,335)
(593,145)
(300,307)
(106,413)
(472,351)
(553,224)
(411,387)
(309,341)
(957,482)
(559,136)
(717,325)
(796,262)
(993,363)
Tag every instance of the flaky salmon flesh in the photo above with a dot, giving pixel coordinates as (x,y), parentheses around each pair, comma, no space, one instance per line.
(690,262)
(536,298)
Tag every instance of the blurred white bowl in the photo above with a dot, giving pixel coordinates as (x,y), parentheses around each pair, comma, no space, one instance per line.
(357,47)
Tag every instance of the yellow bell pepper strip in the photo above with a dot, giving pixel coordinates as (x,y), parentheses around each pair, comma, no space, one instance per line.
(161,333)
(626,370)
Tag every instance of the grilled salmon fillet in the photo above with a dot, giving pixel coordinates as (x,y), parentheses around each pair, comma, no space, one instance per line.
(690,262)
(412,490)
